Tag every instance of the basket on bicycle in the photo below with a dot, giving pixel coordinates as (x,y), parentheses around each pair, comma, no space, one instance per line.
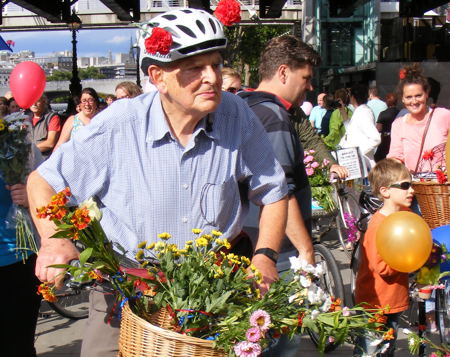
(139,337)
(434,202)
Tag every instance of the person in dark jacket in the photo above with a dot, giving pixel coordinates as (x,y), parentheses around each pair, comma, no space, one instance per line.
(384,123)
(46,126)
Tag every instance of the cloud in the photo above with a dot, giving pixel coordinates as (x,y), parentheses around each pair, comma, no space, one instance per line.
(118,39)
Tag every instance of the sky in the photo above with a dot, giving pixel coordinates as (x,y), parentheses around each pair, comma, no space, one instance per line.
(90,42)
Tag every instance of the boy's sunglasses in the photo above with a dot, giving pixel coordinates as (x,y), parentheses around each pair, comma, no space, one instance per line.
(402,185)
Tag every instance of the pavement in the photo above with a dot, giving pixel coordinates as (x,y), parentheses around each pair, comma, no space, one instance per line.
(57,336)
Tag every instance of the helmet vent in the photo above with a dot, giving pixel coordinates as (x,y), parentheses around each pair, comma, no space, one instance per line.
(213,25)
(200,26)
(187,11)
(169,17)
(187,31)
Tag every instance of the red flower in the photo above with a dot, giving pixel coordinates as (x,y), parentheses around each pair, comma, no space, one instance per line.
(428,155)
(80,218)
(159,41)
(228,12)
(47,291)
(440,177)
(402,73)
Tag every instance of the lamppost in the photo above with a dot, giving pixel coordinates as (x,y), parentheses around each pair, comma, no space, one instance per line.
(136,54)
(75,83)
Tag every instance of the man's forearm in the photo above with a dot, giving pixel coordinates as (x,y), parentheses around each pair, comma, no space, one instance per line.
(46,145)
(272,225)
(40,194)
(297,232)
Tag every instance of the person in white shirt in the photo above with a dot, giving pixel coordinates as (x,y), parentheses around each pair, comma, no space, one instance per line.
(360,130)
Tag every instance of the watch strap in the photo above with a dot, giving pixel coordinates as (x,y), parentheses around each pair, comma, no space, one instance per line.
(269,253)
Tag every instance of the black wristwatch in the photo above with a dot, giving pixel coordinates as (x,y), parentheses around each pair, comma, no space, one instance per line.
(269,253)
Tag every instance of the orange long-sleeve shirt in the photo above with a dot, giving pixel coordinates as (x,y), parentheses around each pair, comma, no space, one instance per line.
(378,284)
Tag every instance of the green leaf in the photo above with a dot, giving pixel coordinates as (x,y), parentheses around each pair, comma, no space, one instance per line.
(85,255)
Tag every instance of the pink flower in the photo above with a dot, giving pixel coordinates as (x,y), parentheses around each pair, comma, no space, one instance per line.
(312,151)
(260,319)
(325,162)
(331,339)
(309,171)
(307,159)
(247,349)
(345,311)
(253,334)
(315,164)
(434,355)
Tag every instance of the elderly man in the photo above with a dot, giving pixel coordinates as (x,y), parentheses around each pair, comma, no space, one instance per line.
(318,112)
(187,156)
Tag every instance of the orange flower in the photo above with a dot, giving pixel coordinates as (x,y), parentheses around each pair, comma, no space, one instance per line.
(336,304)
(60,199)
(47,291)
(389,335)
(80,218)
(42,212)
(94,275)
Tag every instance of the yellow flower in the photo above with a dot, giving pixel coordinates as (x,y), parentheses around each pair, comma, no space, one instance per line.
(139,255)
(258,293)
(207,236)
(189,242)
(226,244)
(142,244)
(164,236)
(183,251)
(2,125)
(201,242)
(245,260)
(160,246)
(150,246)
(216,233)
(196,230)
(219,241)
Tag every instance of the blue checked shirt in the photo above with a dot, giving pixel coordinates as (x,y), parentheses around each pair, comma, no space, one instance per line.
(147,183)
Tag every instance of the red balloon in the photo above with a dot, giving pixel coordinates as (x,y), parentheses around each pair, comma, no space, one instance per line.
(27,83)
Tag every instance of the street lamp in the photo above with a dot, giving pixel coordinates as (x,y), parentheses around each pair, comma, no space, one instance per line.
(75,83)
(136,54)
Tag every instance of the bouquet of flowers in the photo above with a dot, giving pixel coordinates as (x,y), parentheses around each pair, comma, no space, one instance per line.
(15,156)
(208,292)
(318,176)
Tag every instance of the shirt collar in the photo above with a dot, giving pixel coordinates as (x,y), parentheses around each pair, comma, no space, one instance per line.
(158,127)
(286,104)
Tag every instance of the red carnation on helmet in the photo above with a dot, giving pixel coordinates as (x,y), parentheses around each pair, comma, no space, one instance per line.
(402,73)
(159,41)
(228,12)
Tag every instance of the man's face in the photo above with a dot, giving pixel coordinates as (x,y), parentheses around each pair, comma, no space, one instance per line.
(193,85)
(298,83)
(320,99)
(39,107)
(231,84)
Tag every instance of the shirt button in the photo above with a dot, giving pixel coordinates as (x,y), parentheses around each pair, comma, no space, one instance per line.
(185,186)
(184,219)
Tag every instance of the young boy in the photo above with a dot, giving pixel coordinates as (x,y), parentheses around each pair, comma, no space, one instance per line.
(377,284)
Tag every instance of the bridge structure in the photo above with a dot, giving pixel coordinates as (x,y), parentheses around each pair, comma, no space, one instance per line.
(32,15)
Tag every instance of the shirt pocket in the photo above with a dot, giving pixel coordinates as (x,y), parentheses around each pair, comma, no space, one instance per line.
(219,202)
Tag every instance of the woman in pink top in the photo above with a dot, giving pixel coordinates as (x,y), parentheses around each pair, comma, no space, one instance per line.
(407,131)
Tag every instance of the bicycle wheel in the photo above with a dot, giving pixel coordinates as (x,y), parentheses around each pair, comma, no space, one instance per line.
(348,209)
(73,301)
(354,266)
(443,312)
(331,282)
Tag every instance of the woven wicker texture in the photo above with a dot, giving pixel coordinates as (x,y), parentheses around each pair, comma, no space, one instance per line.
(144,339)
(434,202)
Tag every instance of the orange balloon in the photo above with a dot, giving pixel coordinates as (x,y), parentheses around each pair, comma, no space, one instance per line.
(404,241)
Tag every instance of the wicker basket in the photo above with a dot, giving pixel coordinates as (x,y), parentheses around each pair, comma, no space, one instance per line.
(434,202)
(141,338)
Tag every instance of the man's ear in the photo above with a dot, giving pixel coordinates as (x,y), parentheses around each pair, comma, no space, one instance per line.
(384,192)
(282,73)
(156,76)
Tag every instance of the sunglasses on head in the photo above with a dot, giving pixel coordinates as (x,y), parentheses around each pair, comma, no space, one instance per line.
(402,185)
(232,90)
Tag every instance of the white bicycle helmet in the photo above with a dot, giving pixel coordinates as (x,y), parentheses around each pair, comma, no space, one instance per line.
(193,32)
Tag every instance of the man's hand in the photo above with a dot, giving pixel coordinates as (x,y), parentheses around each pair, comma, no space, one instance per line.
(19,194)
(55,251)
(341,171)
(268,270)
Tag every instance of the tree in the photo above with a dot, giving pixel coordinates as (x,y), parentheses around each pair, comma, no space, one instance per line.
(60,76)
(245,44)
(84,73)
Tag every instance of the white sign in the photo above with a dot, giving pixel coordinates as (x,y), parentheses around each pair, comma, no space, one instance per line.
(351,159)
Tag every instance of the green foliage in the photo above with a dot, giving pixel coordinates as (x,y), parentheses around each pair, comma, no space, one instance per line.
(245,44)
(83,73)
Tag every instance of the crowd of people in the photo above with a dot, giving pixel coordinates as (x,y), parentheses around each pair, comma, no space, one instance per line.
(220,146)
